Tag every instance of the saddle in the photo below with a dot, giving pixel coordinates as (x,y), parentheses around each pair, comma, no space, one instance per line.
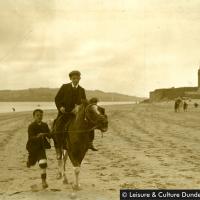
(61,124)
(66,128)
(59,130)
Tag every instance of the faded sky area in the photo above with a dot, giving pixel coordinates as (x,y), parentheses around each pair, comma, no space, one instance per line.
(126,46)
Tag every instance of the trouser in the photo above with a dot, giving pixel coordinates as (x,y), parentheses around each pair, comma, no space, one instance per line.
(33,157)
(60,122)
(59,132)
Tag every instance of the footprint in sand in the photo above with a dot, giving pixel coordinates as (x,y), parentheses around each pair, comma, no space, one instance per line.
(128,185)
(129,174)
(102,168)
(33,178)
(163,176)
(104,180)
(141,171)
(112,189)
(171,155)
(166,164)
(114,177)
(188,177)
(161,186)
(102,174)
(55,190)
(7,180)
(198,182)
(35,188)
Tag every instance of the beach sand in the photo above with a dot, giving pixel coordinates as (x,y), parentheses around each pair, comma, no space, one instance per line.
(147,146)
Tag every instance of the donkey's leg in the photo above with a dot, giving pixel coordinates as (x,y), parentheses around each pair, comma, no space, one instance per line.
(77,172)
(65,156)
(60,162)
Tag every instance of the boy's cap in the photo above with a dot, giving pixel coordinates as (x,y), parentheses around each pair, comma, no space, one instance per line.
(93,100)
(75,72)
(37,110)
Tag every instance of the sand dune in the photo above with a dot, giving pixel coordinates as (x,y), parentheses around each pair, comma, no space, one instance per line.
(147,146)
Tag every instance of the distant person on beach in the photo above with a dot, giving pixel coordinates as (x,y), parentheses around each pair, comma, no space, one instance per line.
(185,106)
(13,109)
(91,135)
(38,132)
(95,101)
(177,104)
(196,105)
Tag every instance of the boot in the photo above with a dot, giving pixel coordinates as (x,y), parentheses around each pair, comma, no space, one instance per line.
(44,183)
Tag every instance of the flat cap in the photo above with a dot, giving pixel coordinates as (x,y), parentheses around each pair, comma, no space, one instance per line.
(94,100)
(75,72)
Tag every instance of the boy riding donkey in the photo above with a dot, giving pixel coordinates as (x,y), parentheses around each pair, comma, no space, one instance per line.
(67,100)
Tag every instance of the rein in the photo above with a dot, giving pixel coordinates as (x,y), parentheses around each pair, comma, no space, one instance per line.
(86,117)
(80,131)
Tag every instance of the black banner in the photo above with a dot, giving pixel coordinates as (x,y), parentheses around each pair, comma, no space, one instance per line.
(159,194)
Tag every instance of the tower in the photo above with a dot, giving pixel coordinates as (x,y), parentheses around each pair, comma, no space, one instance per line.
(199,78)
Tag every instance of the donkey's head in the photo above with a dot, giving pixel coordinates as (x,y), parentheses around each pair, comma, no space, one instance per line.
(95,115)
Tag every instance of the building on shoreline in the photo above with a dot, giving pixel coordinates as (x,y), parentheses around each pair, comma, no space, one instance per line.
(166,94)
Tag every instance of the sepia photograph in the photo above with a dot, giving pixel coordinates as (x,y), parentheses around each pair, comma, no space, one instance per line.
(99,99)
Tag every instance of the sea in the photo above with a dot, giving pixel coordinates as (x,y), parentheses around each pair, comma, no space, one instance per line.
(6,107)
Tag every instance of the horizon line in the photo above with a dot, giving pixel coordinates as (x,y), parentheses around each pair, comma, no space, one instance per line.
(58,88)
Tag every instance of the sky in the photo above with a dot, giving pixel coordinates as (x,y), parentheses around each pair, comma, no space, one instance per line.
(126,46)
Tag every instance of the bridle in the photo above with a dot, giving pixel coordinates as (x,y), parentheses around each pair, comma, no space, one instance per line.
(87,118)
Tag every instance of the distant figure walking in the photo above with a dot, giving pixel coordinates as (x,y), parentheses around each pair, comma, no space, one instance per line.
(13,109)
(196,105)
(177,105)
(185,106)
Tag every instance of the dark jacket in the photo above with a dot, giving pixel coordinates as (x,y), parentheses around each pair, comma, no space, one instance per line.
(34,143)
(67,97)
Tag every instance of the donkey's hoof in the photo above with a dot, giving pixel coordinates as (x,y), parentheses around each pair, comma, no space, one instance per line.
(73,195)
(35,188)
(65,181)
(76,187)
(44,185)
(59,175)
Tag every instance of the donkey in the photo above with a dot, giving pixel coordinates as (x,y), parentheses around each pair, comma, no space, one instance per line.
(88,118)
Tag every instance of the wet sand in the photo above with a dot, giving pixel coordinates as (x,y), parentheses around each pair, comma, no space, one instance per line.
(146,146)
